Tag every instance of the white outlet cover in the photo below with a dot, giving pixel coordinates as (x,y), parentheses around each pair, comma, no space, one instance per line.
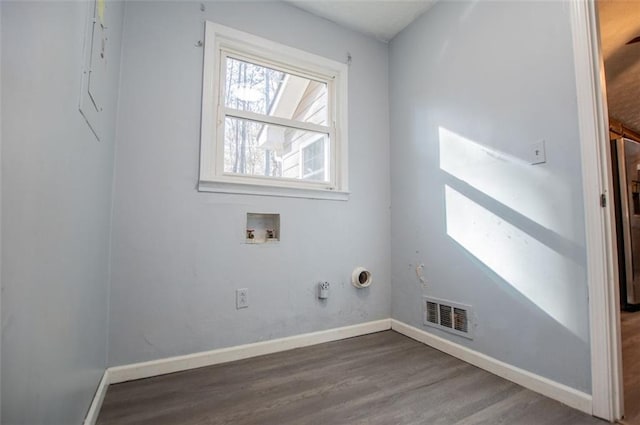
(537,154)
(242,298)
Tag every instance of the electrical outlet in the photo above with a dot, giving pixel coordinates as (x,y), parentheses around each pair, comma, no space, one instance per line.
(242,298)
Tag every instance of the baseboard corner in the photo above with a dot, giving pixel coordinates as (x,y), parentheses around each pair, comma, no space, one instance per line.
(98,398)
(539,384)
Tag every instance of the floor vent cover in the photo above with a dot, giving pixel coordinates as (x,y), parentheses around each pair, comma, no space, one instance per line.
(460,320)
(445,316)
(448,316)
(431,314)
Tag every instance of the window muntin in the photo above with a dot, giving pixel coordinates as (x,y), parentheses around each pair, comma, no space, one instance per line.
(257,149)
(271,102)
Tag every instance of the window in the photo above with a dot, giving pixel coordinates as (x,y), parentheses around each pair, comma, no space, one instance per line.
(273,119)
(313,160)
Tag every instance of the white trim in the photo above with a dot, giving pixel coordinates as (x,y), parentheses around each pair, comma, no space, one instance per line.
(118,374)
(254,47)
(210,93)
(271,190)
(221,41)
(273,120)
(552,389)
(601,261)
(98,398)
(223,355)
(0,202)
(114,375)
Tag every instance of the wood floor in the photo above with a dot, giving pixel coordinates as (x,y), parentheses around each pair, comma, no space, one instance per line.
(630,330)
(383,378)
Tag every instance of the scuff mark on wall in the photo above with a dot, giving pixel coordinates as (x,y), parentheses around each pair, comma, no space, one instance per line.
(147,341)
(420,274)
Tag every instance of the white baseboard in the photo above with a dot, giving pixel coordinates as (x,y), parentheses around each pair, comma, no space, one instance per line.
(560,392)
(98,398)
(223,355)
(113,375)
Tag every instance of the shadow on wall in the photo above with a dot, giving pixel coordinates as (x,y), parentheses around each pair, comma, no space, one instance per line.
(488,81)
(507,227)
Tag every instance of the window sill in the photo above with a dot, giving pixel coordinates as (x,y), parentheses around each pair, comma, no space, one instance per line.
(260,190)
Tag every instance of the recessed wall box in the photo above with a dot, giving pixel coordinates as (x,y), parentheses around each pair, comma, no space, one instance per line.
(262,228)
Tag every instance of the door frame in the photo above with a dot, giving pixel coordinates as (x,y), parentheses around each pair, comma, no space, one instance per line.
(601,250)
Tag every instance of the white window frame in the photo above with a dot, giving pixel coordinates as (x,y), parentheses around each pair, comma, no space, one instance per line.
(222,42)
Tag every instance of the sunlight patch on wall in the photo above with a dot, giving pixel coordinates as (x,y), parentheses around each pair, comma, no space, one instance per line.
(543,276)
(530,190)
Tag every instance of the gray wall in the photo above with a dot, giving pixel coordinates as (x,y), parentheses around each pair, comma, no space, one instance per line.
(178,255)
(473,85)
(56,189)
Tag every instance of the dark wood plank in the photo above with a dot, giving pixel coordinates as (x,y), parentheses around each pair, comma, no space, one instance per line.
(630,330)
(378,379)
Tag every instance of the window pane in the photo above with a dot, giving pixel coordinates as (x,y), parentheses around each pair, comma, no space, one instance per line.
(313,160)
(257,149)
(255,88)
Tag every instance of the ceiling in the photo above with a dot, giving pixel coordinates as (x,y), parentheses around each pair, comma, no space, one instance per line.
(382,19)
(619,23)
